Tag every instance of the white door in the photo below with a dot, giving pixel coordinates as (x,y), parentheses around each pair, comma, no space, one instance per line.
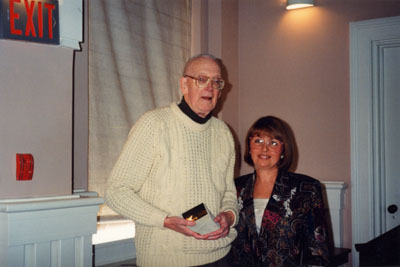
(375,128)
(391,112)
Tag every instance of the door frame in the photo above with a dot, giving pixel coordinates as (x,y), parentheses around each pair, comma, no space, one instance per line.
(368,41)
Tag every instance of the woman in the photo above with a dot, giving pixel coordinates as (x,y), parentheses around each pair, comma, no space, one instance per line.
(281,221)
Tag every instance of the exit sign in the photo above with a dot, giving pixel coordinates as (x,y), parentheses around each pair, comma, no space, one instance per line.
(30,20)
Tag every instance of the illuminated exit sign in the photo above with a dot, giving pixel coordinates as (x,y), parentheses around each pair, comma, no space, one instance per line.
(30,20)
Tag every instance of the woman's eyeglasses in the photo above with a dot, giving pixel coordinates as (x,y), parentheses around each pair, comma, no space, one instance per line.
(272,144)
(203,81)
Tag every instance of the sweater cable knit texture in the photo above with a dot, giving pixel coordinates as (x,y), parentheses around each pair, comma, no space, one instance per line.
(168,165)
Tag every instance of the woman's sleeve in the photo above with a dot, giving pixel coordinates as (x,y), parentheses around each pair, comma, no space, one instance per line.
(316,231)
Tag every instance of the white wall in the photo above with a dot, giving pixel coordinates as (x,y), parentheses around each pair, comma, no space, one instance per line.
(36,117)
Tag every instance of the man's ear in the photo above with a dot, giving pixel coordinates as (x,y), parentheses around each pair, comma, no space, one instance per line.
(183,85)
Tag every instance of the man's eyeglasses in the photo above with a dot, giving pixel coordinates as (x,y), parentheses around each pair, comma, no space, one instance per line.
(203,81)
(273,144)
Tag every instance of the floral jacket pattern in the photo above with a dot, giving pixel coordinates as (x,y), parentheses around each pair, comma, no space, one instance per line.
(293,230)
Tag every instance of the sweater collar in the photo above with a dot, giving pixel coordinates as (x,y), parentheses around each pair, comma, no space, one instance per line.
(187,121)
(191,114)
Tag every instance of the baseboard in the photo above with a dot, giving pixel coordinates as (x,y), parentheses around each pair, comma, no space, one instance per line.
(116,251)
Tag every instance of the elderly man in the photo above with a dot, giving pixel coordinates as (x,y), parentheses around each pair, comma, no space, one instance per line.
(176,158)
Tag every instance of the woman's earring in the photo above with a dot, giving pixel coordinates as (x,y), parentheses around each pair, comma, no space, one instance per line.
(282,156)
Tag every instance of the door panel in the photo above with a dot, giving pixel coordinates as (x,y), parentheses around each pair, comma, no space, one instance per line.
(392,134)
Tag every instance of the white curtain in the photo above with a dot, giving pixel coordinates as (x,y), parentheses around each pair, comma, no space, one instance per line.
(137,51)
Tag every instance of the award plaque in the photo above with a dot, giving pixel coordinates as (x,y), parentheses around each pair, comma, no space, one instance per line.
(204,219)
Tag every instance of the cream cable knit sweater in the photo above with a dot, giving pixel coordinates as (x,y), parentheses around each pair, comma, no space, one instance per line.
(168,165)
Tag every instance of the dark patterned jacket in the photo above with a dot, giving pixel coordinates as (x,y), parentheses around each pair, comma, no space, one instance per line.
(293,229)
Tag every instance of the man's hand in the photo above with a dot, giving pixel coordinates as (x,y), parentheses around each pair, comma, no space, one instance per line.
(180,225)
(225,220)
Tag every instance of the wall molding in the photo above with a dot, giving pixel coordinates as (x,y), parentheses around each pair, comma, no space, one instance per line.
(335,204)
(48,231)
(112,252)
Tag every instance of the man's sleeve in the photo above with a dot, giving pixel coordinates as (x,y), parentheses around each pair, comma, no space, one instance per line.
(130,173)
(229,202)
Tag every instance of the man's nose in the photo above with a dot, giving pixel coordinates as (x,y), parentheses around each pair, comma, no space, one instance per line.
(209,86)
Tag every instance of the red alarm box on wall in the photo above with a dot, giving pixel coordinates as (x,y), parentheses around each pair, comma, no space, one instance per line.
(24,167)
